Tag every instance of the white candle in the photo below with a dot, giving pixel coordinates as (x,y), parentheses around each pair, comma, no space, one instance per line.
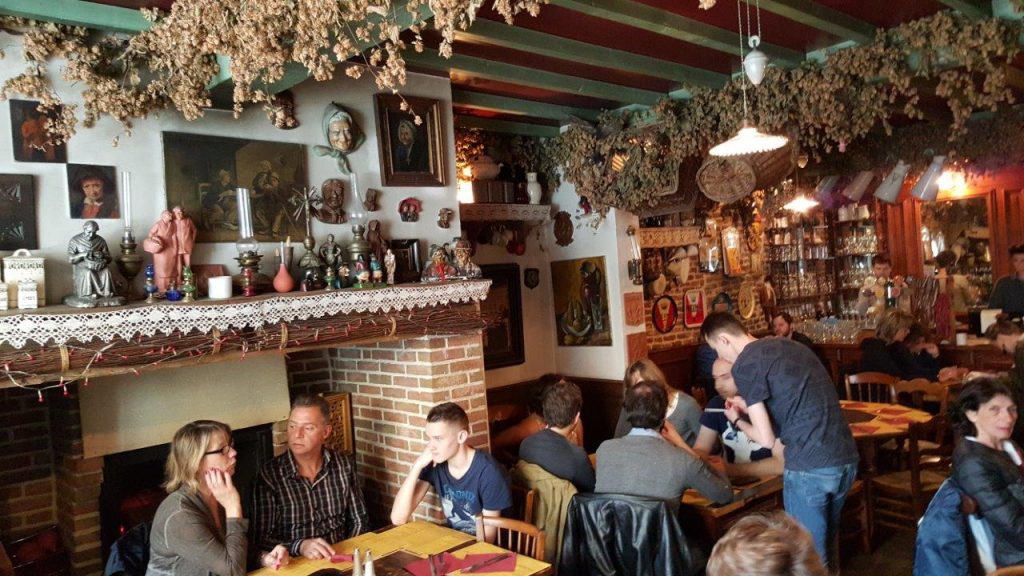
(219,287)
(126,201)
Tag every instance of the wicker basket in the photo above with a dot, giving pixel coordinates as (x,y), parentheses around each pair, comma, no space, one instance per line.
(727,179)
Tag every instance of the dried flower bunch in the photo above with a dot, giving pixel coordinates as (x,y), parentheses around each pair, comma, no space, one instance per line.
(175,61)
(525,153)
(823,105)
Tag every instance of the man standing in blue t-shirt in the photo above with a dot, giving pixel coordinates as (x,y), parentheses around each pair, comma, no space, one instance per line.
(784,381)
(467,481)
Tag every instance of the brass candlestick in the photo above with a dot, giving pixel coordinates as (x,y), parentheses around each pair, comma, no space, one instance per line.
(129,263)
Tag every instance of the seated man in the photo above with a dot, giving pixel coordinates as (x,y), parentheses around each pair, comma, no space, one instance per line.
(782,325)
(652,460)
(550,448)
(306,498)
(467,481)
(506,444)
(743,456)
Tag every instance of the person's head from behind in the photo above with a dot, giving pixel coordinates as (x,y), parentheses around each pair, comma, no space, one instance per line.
(894,326)
(917,337)
(725,334)
(758,545)
(309,424)
(1007,334)
(642,370)
(562,403)
(447,431)
(535,400)
(196,448)
(721,372)
(782,324)
(645,405)
(985,410)
(881,267)
(945,259)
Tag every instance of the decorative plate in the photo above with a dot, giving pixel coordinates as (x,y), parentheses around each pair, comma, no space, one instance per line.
(664,314)
(748,301)
(723,303)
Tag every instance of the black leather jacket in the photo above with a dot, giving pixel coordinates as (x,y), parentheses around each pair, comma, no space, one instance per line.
(616,534)
(997,485)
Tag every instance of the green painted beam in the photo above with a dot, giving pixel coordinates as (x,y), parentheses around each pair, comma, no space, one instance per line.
(822,18)
(506,105)
(502,72)
(507,126)
(526,40)
(77,13)
(971,8)
(669,24)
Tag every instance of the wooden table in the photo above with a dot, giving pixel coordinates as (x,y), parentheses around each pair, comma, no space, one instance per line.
(419,538)
(763,496)
(873,422)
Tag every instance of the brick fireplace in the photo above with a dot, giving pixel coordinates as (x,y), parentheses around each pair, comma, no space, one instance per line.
(44,477)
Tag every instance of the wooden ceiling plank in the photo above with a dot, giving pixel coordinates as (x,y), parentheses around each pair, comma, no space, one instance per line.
(78,13)
(975,9)
(506,126)
(526,40)
(822,18)
(503,72)
(504,104)
(675,26)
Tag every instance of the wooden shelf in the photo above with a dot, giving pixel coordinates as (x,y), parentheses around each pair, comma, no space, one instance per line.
(504,212)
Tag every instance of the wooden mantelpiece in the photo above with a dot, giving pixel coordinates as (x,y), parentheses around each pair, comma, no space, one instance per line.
(58,343)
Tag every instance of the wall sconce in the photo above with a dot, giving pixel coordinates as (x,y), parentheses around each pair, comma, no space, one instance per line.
(634,266)
(889,190)
(927,187)
(464,187)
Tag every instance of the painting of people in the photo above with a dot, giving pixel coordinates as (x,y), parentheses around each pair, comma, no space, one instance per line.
(17,212)
(202,174)
(29,137)
(580,290)
(92,192)
(411,149)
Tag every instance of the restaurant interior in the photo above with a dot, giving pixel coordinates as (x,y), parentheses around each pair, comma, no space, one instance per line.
(400,203)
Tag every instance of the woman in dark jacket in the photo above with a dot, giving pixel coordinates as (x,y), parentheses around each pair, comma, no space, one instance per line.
(889,353)
(987,464)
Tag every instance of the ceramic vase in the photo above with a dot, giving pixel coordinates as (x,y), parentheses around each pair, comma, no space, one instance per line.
(533,188)
(283,282)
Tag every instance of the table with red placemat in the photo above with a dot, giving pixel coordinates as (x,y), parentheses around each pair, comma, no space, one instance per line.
(872,422)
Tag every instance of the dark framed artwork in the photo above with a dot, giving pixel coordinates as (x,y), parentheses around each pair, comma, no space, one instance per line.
(28,135)
(411,154)
(581,302)
(17,212)
(503,311)
(92,192)
(202,174)
(407,259)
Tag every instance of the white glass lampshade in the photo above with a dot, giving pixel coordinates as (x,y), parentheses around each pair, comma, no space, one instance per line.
(927,187)
(826,186)
(889,189)
(754,64)
(859,185)
(749,140)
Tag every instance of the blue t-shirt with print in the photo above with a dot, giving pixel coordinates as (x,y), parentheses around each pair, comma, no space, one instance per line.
(482,487)
(738,447)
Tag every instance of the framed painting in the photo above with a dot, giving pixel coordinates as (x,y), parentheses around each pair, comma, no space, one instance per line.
(17,212)
(407,259)
(503,311)
(411,153)
(28,134)
(92,192)
(202,174)
(581,302)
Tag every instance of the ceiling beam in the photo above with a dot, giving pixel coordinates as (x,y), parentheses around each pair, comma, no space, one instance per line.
(78,13)
(675,26)
(822,18)
(975,9)
(532,108)
(526,40)
(507,126)
(502,72)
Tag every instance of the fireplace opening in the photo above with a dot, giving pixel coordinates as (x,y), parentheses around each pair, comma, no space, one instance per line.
(131,490)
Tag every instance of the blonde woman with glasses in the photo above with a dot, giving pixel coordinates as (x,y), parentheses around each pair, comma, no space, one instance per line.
(683,411)
(199,528)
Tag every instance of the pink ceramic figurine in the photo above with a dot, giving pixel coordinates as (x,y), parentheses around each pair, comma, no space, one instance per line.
(162,243)
(185,233)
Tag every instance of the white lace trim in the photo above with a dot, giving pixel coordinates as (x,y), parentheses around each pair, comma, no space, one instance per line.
(164,318)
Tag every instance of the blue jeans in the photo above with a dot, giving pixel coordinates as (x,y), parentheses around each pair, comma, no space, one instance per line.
(815,499)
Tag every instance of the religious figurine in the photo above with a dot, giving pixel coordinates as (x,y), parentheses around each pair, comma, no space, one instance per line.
(376,272)
(362,274)
(344,276)
(465,268)
(330,279)
(342,134)
(185,234)
(389,265)
(188,284)
(444,217)
(409,210)
(90,257)
(438,269)
(162,243)
(332,208)
(282,111)
(376,238)
(330,252)
(370,200)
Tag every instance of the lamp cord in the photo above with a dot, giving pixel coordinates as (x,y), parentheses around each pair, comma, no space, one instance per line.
(743,75)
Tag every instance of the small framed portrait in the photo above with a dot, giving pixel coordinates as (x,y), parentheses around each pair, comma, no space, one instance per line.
(407,259)
(92,192)
(28,135)
(411,154)
(17,212)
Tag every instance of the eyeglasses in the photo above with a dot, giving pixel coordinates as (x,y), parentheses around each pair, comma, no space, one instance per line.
(223,451)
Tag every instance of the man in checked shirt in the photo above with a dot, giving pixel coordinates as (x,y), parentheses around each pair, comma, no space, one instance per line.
(307,498)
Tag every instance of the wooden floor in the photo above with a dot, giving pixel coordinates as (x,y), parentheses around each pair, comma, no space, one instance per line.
(893,556)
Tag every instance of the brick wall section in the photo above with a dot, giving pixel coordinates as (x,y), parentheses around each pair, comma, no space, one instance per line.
(309,371)
(394,385)
(26,465)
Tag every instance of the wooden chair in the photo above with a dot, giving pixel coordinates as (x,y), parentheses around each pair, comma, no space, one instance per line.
(870,387)
(855,521)
(899,498)
(515,535)
(522,503)
(918,390)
